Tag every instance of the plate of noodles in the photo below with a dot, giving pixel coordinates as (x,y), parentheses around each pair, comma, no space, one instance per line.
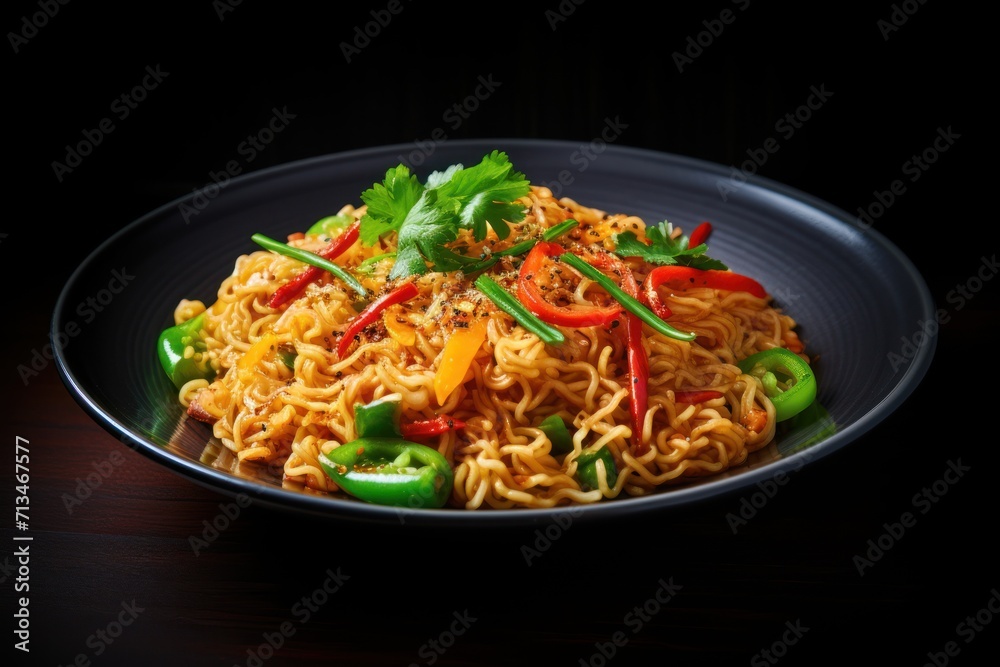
(499,331)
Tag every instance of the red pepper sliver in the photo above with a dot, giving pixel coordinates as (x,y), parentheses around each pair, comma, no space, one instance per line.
(531,296)
(431,427)
(638,362)
(700,234)
(638,365)
(686,276)
(373,312)
(653,300)
(696,396)
(334,249)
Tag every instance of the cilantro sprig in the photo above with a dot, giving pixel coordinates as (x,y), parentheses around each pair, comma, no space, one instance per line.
(428,216)
(665,250)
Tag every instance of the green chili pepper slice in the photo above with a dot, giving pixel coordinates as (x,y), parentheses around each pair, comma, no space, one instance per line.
(378,419)
(390,471)
(787,380)
(181,364)
(555,430)
(586,467)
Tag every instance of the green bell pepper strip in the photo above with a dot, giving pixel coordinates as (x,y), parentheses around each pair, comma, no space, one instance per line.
(390,471)
(182,367)
(787,380)
(378,419)
(586,467)
(555,430)
(381,419)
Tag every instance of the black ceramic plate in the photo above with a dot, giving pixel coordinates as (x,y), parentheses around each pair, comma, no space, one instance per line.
(857,298)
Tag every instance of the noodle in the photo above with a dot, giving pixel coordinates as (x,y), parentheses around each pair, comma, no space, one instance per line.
(287,414)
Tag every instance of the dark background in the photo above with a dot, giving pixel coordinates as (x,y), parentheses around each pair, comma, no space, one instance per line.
(559,76)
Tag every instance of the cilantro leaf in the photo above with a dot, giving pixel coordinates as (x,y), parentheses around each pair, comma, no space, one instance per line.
(437,178)
(488,193)
(665,250)
(428,217)
(427,227)
(389,202)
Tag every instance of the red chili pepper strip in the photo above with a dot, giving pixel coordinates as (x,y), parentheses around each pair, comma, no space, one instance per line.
(334,249)
(373,312)
(696,396)
(531,296)
(686,276)
(638,362)
(638,365)
(431,427)
(653,300)
(700,234)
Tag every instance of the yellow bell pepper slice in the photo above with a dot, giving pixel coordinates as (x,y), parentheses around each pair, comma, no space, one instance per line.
(264,348)
(401,332)
(456,358)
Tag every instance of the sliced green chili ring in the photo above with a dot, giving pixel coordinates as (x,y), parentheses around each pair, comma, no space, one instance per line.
(555,430)
(586,467)
(556,231)
(312,259)
(630,304)
(378,419)
(324,226)
(510,305)
(180,366)
(787,379)
(390,471)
